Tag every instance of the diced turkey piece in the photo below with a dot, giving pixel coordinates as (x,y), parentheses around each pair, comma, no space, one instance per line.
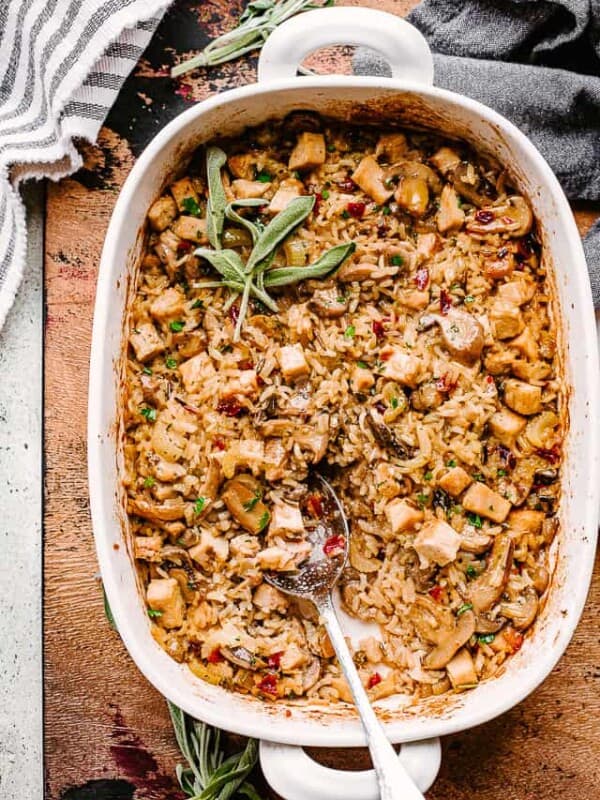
(371,179)
(481,500)
(445,160)
(210,549)
(148,547)
(168,471)
(401,366)
(402,516)
(245,385)
(526,520)
(506,319)
(524,398)
(450,216)
(169,304)
(293,658)
(279,558)
(415,299)
(392,147)
(517,292)
(162,213)
(242,165)
(309,151)
(506,426)
(146,342)
(526,344)
(244,189)
(182,190)
(274,460)
(286,519)
(250,451)
(362,379)
(427,244)
(455,481)
(195,371)
(288,191)
(436,542)
(461,670)
(191,228)
(292,361)
(268,598)
(164,595)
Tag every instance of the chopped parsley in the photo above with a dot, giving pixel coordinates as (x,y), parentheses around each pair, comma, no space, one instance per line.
(191,206)
(350,332)
(471,571)
(501,473)
(469,299)
(199,505)
(385,210)
(463,608)
(346,214)
(171,363)
(149,482)
(325,194)
(394,402)
(475,520)
(154,614)
(249,504)
(397,261)
(331,148)
(362,364)
(451,463)
(422,499)
(148,413)
(486,638)
(264,521)
(176,325)
(477,476)
(264,177)
(147,371)
(428,476)
(198,304)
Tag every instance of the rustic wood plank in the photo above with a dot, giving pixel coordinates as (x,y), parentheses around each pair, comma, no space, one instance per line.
(107,730)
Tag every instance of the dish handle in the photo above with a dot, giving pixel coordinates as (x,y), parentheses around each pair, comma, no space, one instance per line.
(400,43)
(291,772)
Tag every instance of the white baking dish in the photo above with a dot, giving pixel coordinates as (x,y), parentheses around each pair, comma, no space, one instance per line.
(408,98)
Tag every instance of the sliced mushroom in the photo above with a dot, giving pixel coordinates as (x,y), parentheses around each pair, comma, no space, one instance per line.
(523,611)
(485,624)
(468,182)
(415,169)
(360,561)
(426,397)
(311,674)
(462,334)
(433,622)
(460,635)
(513,217)
(210,487)
(385,435)
(540,578)
(167,511)
(328,303)
(473,541)
(242,496)
(485,590)
(242,657)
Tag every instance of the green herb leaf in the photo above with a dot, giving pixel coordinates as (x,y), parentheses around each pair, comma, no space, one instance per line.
(198,304)
(217,202)
(469,299)
(386,210)
(324,266)
(228,263)
(154,614)
(394,402)
(475,520)
(199,505)
(471,571)
(428,476)
(279,228)
(501,473)
(148,413)
(171,363)
(264,177)
(463,608)
(248,506)
(350,332)
(147,371)
(176,326)
(264,521)
(191,206)
(325,194)
(149,482)
(362,364)
(451,463)
(249,202)
(396,261)
(486,638)
(422,499)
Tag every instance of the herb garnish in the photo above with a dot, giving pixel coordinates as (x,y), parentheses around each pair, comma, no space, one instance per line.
(171,363)
(199,505)
(463,608)
(148,413)
(475,520)
(176,326)
(249,505)
(149,482)
(350,332)
(191,206)
(154,614)
(264,521)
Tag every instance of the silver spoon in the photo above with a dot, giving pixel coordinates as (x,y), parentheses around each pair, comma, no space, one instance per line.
(329,535)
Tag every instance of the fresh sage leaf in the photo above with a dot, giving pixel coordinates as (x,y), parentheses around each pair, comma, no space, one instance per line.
(279,228)
(243,309)
(250,202)
(326,264)
(217,202)
(228,263)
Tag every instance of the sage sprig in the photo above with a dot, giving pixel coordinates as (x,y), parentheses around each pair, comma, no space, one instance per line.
(256,276)
(217,202)
(258,20)
(208,774)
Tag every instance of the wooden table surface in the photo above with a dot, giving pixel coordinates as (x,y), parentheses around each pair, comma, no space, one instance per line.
(107,733)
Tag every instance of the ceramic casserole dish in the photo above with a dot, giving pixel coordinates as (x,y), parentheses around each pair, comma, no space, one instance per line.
(409,99)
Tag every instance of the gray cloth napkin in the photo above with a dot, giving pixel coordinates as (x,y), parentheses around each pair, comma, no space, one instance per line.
(536,62)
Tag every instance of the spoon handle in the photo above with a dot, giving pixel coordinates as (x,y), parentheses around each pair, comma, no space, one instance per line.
(394,781)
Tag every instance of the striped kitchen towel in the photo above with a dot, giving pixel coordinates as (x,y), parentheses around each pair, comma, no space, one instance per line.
(62,63)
